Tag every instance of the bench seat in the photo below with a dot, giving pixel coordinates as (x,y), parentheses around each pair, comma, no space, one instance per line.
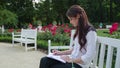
(24,40)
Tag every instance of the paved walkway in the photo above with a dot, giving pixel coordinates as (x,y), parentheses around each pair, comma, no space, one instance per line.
(16,57)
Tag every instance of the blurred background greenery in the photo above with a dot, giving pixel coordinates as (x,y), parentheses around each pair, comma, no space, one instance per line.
(19,13)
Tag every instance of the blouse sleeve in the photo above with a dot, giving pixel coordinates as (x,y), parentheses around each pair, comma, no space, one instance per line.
(90,47)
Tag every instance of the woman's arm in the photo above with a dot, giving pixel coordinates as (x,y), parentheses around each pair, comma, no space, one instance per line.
(90,50)
(70,60)
(91,47)
(77,60)
(66,52)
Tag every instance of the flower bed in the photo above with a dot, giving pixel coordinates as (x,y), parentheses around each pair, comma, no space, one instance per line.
(59,35)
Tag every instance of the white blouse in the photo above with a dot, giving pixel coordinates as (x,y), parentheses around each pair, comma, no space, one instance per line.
(90,52)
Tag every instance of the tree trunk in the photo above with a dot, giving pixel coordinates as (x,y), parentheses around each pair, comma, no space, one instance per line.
(62,19)
(3,29)
(111,12)
(101,11)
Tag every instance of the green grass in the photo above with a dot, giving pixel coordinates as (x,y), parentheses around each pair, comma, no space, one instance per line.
(104,33)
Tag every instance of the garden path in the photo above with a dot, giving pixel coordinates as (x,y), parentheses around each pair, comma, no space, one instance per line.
(16,57)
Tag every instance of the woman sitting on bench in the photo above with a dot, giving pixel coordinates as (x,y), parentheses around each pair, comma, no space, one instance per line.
(83,49)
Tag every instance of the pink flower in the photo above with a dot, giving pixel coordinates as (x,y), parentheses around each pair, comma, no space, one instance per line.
(67,30)
(62,25)
(54,32)
(114,27)
(44,28)
(30,25)
(11,30)
(54,28)
(19,30)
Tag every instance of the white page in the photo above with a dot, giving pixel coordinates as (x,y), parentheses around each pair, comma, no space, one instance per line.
(56,57)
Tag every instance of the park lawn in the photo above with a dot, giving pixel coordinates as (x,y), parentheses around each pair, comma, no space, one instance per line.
(103,32)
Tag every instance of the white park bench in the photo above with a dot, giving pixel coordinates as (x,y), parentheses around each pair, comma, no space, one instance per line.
(26,36)
(106,49)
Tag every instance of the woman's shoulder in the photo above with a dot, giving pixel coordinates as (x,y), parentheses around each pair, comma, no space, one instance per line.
(92,34)
(91,28)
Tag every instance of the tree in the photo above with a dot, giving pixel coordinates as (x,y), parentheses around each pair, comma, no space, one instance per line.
(24,10)
(8,18)
(43,12)
(60,6)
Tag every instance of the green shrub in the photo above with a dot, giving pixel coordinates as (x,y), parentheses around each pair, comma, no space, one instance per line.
(42,44)
(105,33)
(8,17)
(63,39)
(116,35)
(6,37)
(44,36)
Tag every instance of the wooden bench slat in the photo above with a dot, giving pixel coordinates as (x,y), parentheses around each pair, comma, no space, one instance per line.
(102,55)
(117,63)
(109,57)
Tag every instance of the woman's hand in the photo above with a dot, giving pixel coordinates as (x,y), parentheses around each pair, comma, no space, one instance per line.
(66,58)
(56,52)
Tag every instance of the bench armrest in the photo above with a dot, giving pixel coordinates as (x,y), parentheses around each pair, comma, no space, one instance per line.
(18,34)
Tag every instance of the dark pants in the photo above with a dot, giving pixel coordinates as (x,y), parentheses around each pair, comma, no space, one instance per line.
(51,63)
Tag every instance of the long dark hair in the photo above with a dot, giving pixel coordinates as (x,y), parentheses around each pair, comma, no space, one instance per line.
(83,24)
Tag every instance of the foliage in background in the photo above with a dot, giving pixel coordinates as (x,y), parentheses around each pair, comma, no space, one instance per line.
(22,8)
(47,11)
(6,37)
(97,11)
(7,17)
(116,34)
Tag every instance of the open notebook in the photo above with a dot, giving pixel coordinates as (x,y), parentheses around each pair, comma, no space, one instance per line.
(56,57)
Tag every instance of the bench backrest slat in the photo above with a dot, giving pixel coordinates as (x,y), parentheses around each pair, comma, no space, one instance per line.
(96,57)
(109,41)
(30,33)
(117,64)
(108,53)
(109,57)
(102,55)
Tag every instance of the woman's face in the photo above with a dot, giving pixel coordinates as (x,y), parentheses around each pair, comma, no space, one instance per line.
(74,21)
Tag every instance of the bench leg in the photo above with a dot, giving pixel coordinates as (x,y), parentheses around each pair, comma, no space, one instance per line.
(21,43)
(12,42)
(26,47)
(35,46)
